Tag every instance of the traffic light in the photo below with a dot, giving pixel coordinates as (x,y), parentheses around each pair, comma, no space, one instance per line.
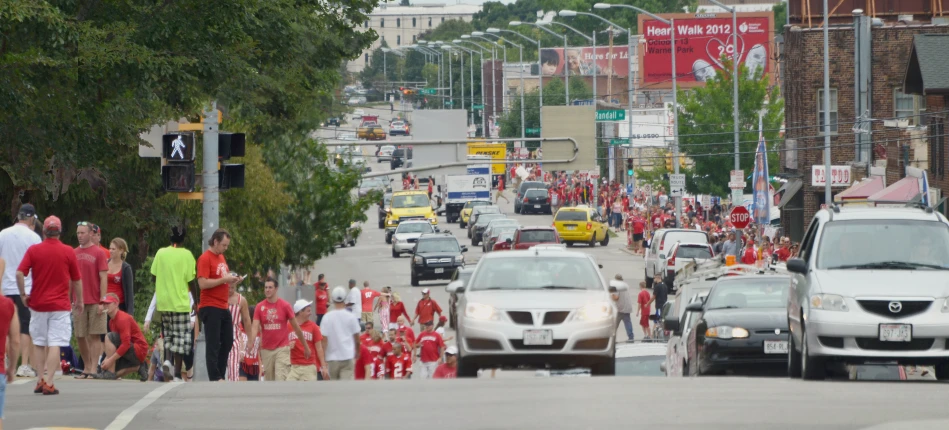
(629,167)
(230,145)
(178,151)
(669,162)
(406,91)
(682,161)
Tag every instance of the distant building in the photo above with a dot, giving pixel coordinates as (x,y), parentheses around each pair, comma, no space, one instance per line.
(402,25)
(706,6)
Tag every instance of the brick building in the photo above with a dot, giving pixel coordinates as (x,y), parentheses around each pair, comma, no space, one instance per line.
(889,144)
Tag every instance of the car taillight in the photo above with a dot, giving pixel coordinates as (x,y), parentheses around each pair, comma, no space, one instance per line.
(589,226)
(672,261)
(525,199)
(662,244)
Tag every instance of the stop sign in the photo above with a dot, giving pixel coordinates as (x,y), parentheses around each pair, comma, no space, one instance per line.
(740,217)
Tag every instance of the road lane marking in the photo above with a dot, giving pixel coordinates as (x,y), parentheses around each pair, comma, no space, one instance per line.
(126,417)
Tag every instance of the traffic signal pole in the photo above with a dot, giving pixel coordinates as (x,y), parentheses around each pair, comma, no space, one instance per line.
(210,210)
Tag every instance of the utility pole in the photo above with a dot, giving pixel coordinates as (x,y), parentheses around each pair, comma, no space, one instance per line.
(210,209)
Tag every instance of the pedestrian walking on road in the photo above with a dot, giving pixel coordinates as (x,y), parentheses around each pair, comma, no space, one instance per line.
(273,318)
(426,309)
(9,343)
(448,369)
(624,305)
(432,347)
(303,368)
(14,241)
(240,319)
(367,299)
(643,300)
(55,275)
(354,299)
(397,310)
(500,194)
(322,298)
(125,346)
(340,337)
(90,325)
(215,280)
(174,269)
(382,308)
(399,363)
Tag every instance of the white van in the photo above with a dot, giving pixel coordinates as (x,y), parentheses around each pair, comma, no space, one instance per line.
(662,242)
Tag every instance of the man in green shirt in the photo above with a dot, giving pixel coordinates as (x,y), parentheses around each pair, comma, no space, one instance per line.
(174,268)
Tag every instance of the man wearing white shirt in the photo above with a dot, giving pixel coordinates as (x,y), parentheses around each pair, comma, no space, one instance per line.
(14,241)
(340,337)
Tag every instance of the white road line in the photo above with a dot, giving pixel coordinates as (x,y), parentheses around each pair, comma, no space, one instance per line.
(22,381)
(126,417)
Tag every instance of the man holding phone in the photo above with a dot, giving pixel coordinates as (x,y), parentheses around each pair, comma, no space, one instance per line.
(214,279)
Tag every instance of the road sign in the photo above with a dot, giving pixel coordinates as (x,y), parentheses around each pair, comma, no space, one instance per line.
(428,91)
(478,107)
(619,141)
(611,115)
(739,217)
(737,196)
(677,184)
(737,180)
(532,131)
(449,102)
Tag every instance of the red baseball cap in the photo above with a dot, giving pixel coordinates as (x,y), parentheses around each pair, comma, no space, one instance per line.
(109,298)
(52,223)
(442,318)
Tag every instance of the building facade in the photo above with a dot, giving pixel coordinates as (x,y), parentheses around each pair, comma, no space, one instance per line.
(402,25)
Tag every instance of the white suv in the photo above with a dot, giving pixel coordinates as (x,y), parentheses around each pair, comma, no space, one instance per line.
(661,244)
(871,286)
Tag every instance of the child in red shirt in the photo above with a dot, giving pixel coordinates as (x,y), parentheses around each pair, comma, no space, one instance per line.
(643,311)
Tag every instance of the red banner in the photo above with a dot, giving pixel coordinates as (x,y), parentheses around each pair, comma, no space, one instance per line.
(701,41)
(613,62)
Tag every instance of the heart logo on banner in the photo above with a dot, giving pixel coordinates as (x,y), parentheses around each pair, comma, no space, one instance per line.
(716,45)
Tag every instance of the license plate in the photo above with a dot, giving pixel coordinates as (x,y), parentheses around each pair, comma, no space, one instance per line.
(896,332)
(538,337)
(571,227)
(775,347)
(536,206)
(440,270)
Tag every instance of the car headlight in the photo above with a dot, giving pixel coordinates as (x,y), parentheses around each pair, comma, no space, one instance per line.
(417,260)
(433,220)
(460,259)
(479,311)
(726,332)
(829,302)
(595,312)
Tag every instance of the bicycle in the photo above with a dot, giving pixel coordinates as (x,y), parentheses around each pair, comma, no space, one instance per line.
(657,333)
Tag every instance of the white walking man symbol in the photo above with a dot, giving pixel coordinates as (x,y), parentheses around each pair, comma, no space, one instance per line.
(177,146)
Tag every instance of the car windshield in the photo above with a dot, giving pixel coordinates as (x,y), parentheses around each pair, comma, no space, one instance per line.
(497,231)
(538,236)
(410,201)
(536,193)
(505,235)
(569,273)
(414,227)
(533,184)
(484,219)
(373,183)
(884,244)
(500,222)
(640,366)
(756,293)
(386,199)
(486,209)
(438,245)
(571,216)
(474,203)
(693,251)
(387,149)
(464,276)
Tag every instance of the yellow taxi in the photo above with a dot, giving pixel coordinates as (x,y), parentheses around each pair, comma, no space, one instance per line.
(408,205)
(581,224)
(466,211)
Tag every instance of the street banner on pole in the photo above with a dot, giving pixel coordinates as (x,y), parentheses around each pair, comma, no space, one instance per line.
(761,204)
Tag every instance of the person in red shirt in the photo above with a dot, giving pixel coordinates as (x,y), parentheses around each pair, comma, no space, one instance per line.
(55,274)
(426,309)
(432,348)
(397,311)
(272,315)
(322,298)
(214,279)
(407,334)
(125,346)
(91,324)
(303,368)
(448,369)
(363,366)
(377,345)
(399,363)
(643,299)
(783,252)
(749,256)
(368,296)
(9,329)
(378,369)
(639,229)
(500,195)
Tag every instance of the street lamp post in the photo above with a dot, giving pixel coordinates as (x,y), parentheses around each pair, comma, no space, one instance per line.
(736,56)
(494,91)
(540,74)
(520,50)
(484,124)
(675,89)
(589,39)
(385,76)
(451,95)
(470,52)
(566,70)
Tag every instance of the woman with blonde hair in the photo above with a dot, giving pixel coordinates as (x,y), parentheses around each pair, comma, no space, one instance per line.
(382,308)
(397,310)
(120,279)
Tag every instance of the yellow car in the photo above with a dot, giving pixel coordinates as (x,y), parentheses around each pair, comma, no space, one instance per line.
(408,205)
(466,211)
(581,224)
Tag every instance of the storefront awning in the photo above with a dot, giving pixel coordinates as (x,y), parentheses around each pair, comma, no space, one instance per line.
(862,190)
(791,187)
(904,190)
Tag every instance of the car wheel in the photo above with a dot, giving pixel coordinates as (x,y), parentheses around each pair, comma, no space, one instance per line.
(569,244)
(942,371)
(605,367)
(812,368)
(414,280)
(517,209)
(381,225)
(395,254)
(648,279)
(592,240)
(473,241)
(606,240)
(466,369)
(469,233)
(462,224)
(794,359)
(352,242)
(388,239)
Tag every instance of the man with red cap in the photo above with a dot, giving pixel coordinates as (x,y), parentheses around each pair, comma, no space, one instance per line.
(125,346)
(55,273)
(426,309)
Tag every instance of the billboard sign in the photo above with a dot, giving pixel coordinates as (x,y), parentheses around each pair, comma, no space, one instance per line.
(701,41)
(580,60)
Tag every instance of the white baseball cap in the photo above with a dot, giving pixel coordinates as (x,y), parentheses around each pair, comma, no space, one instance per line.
(301,305)
(425,291)
(338,295)
(451,350)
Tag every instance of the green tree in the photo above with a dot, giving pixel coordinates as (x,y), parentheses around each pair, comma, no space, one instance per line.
(553,96)
(706,125)
(780,16)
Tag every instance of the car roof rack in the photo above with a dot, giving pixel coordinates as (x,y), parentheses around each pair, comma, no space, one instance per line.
(720,270)
(915,202)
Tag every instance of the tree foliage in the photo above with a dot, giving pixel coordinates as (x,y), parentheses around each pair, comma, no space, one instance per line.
(553,96)
(706,127)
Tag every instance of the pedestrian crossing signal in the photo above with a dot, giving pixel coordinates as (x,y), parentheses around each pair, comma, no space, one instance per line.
(178,147)
(178,178)
(629,167)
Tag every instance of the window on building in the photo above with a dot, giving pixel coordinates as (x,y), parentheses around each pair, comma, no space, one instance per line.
(937,147)
(414,38)
(398,22)
(382,22)
(365,24)
(833,110)
(443,19)
(398,40)
(413,22)
(429,21)
(908,106)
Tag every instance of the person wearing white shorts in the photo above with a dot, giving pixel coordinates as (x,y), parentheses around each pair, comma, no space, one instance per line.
(51,328)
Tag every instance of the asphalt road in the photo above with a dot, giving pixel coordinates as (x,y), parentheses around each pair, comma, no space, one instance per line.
(512,400)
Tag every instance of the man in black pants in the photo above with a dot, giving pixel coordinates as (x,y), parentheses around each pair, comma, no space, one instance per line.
(214,280)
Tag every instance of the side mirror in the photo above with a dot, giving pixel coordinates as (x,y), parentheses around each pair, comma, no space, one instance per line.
(455,287)
(509,241)
(662,256)
(464,248)
(662,367)
(694,307)
(437,230)
(797,265)
(667,308)
(672,325)
(600,266)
